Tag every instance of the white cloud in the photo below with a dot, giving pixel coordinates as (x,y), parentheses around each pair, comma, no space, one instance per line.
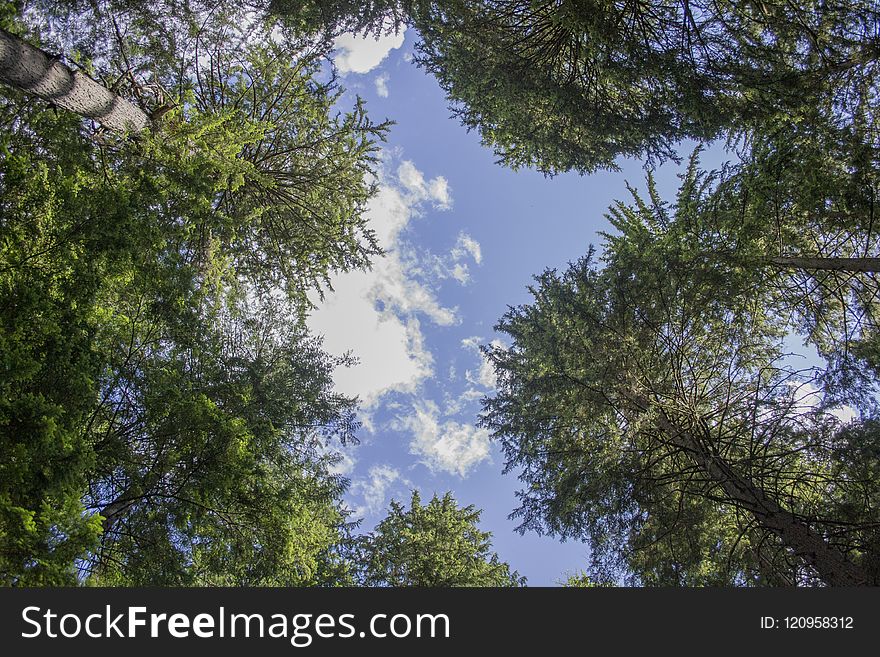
(481,381)
(472,342)
(381,83)
(455,405)
(361,54)
(844,413)
(452,266)
(438,191)
(412,179)
(451,447)
(808,398)
(436,268)
(484,376)
(460,272)
(435,190)
(390,349)
(467,245)
(377,314)
(395,287)
(345,465)
(373,489)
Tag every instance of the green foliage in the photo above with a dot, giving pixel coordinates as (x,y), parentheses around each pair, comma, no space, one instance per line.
(788,228)
(811,196)
(164,409)
(579,580)
(63,232)
(209,452)
(250,140)
(436,544)
(339,16)
(651,413)
(572,85)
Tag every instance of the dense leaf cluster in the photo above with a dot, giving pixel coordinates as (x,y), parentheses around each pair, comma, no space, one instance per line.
(435,544)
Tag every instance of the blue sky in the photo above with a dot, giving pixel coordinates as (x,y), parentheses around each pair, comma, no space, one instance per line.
(464,237)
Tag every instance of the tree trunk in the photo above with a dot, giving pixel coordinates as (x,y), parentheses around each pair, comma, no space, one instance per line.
(827,264)
(33,71)
(830,564)
(136,491)
(112,511)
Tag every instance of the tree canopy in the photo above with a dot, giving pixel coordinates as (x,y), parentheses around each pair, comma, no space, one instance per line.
(435,544)
(576,84)
(164,407)
(181,180)
(573,85)
(652,411)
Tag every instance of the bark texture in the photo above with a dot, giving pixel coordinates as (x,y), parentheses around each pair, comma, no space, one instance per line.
(830,564)
(34,71)
(828,264)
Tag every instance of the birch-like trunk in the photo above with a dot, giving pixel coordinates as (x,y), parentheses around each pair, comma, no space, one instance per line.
(33,71)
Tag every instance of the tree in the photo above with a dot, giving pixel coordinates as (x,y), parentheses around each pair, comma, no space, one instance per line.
(209,468)
(793,225)
(335,17)
(158,424)
(803,206)
(156,428)
(573,85)
(579,580)
(651,412)
(788,237)
(437,544)
(64,234)
(284,180)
